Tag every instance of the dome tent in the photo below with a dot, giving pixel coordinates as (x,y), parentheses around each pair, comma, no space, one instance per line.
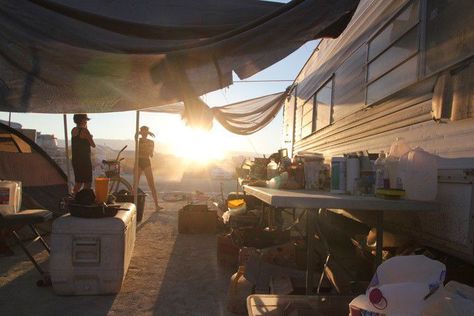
(43,182)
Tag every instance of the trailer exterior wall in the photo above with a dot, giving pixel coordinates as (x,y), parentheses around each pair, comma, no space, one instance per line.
(386,72)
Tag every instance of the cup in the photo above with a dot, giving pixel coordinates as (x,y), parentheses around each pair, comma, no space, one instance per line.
(101,189)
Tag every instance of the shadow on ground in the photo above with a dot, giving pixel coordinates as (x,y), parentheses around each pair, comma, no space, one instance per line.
(170,274)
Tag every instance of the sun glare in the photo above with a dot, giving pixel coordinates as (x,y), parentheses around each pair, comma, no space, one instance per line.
(197,145)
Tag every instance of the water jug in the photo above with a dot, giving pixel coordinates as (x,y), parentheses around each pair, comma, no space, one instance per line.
(419,173)
(239,289)
(398,148)
(272,169)
(10,197)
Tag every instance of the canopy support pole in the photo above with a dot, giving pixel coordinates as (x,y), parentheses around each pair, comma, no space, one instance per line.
(10,119)
(66,151)
(135,168)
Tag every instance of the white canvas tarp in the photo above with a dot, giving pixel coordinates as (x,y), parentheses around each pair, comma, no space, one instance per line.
(243,118)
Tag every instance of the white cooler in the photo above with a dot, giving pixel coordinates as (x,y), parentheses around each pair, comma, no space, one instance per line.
(90,256)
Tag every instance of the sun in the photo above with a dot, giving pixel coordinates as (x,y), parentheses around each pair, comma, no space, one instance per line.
(197,145)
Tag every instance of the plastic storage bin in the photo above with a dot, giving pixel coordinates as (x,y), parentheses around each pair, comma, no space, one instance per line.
(419,174)
(90,256)
(10,197)
(196,219)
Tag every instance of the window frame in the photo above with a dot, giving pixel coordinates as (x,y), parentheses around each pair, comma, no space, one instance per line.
(331,106)
(420,24)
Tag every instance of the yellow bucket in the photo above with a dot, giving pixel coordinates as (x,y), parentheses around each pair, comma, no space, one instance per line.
(235,203)
(101,189)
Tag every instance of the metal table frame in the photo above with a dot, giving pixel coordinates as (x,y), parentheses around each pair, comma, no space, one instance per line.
(314,201)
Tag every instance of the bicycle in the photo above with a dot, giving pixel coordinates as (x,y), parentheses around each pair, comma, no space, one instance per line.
(117,182)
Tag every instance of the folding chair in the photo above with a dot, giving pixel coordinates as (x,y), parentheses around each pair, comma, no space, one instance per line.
(29,218)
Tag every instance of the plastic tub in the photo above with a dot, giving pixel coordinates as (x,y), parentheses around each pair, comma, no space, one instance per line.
(10,197)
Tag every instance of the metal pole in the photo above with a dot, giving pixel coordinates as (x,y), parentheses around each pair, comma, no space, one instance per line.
(135,168)
(9,119)
(66,150)
(310,245)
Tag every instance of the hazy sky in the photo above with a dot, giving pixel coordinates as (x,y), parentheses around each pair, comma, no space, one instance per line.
(121,125)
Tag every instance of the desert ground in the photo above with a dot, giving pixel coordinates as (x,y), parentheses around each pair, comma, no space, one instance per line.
(170,274)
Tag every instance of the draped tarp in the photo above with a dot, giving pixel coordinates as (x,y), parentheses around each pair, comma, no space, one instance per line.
(65,56)
(243,118)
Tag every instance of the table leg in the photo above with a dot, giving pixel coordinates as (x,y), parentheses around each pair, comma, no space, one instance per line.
(379,244)
(310,245)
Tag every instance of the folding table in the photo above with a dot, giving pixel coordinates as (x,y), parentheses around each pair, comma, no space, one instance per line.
(313,201)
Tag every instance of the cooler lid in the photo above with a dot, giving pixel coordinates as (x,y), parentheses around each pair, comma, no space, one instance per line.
(67,224)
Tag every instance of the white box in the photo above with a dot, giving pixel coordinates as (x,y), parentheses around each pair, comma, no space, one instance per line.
(90,256)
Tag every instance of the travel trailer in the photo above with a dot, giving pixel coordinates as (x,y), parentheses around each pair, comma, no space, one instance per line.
(401,69)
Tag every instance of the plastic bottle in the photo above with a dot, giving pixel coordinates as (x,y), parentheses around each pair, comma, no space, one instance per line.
(352,172)
(338,175)
(419,174)
(239,289)
(379,170)
(397,150)
(272,169)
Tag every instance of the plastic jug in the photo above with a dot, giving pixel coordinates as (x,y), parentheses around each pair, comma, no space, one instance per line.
(272,169)
(398,148)
(239,289)
(10,196)
(101,189)
(419,173)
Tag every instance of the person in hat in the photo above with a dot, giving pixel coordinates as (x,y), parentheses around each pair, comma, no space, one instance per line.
(81,143)
(145,151)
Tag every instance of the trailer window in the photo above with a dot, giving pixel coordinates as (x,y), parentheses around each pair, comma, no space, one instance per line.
(298,120)
(393,55)
(449,33)
(323,106)
(349,85)
(307,119)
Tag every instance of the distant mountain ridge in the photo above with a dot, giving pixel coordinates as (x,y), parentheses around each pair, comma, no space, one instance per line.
(117,144)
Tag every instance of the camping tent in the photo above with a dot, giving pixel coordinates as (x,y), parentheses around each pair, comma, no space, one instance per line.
(43,181)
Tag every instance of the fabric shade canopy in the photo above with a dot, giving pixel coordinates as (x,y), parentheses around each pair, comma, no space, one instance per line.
(243,118)
(66,56)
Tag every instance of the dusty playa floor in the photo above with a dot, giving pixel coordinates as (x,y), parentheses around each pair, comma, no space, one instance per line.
(170,274)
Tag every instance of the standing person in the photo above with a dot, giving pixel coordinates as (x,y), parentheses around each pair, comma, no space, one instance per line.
(81,143)
(145,151)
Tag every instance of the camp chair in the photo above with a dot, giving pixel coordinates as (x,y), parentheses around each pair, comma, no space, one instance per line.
(28,218)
